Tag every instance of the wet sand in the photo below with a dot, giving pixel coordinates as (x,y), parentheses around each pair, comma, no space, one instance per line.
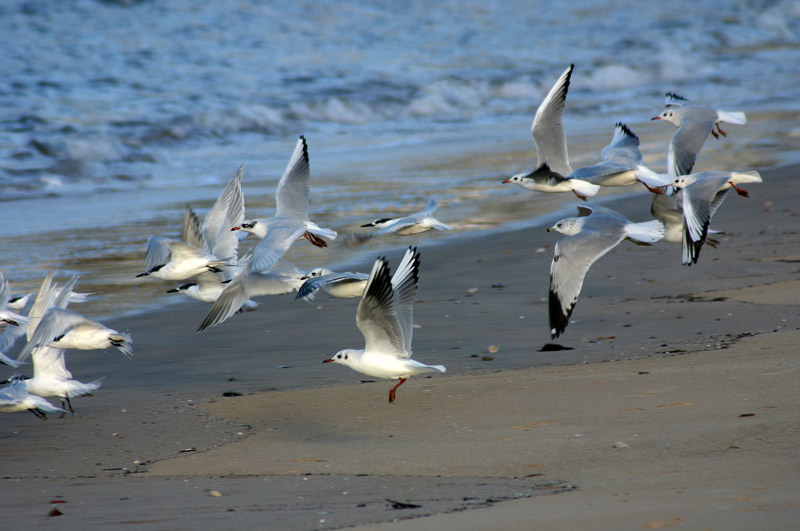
(674,407)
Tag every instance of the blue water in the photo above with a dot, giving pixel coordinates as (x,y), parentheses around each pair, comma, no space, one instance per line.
(115,114)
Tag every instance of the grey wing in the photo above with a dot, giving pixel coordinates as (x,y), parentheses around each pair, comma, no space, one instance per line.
(572,258)
(701,200)
(399,224)
(312,285)
(228,303)
(429,209)
(548,127)
(10,336)
(280,236)
(376,317)
(292,194)
(226,213)
(158,252)
(192,233)
(404,286)
(604,218)
(687,142)
(624,146)
(598,173)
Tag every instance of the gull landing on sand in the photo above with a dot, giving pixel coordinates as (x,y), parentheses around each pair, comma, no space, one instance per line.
(384,317)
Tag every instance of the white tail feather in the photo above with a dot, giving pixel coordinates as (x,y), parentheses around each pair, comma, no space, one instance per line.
(732,117)
(647,232)
(584,188)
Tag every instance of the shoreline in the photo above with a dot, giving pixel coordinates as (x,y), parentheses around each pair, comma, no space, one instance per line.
(684,347)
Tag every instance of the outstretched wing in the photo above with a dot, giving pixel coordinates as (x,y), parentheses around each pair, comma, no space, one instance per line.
(572,258)
(404,285)
(548,127)
(376,316)
(226,213)
(293,188)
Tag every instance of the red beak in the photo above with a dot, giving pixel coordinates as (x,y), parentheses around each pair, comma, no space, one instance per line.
(236,228)
(655,118)
(507,181)
(328,360)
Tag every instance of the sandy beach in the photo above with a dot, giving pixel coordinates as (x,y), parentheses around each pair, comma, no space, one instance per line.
(674,403)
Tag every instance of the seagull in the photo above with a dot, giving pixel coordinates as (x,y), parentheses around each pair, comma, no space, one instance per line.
(215,235)
(282,278)
(291,221)
(340,285)
(421,221)
(176,260)
(14,398)
(202,248)
(51,378)
(703,193)
(586,238)
(63,329)
(551,147)
(227,212)
(668,209)
(50,374)
(622,165)
(695,121)
(384,317)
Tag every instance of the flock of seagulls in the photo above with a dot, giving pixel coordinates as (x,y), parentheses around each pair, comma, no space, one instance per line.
(683,203)
(207,260)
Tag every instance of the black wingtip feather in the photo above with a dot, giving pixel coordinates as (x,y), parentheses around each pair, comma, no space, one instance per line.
(625,130)
(559,317)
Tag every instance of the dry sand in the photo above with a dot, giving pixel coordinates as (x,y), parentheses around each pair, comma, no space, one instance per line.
(675,407)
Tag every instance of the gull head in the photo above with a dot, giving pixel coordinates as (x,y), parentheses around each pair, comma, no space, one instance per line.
(344,357)
(316,272)
(253,226)
(378,222)
(683,181)
(517,179)
(671,115)
(182,287)
(568,226)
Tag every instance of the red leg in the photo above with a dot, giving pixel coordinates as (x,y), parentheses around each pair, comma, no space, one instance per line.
(714,133)
(579,195)
(319,242)
(741,191)
(723,133)
(654,190)
(393,389)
